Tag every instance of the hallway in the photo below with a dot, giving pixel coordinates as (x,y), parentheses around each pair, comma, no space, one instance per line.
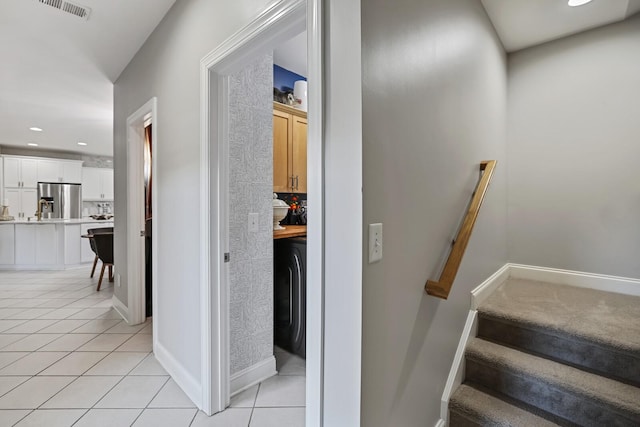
(68,359)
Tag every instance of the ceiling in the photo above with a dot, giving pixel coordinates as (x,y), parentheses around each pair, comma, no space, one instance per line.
(292,54)
(525,23)
(58,69)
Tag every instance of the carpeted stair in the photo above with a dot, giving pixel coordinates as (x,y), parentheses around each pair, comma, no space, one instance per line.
(552,355)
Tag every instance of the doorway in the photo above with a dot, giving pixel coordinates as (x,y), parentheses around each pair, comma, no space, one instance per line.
(280,22)
(141,204)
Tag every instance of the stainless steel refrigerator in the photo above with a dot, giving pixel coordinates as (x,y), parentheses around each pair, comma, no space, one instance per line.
(64,200)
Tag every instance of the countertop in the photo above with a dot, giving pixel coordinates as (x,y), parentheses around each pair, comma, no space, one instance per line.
(58,221)
(290,231)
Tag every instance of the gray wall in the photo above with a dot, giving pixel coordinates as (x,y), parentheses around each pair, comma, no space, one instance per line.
(574,132)
(434,106)
(168,67)
(251,191)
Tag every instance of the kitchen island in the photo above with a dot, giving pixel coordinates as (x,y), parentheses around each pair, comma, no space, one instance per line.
(50,244)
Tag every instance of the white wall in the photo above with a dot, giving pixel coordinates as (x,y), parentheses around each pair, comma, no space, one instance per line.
(343,213)
(434,106)
(167,66)
(574,133)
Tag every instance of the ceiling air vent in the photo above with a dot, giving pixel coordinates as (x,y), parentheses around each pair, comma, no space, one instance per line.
(69,7)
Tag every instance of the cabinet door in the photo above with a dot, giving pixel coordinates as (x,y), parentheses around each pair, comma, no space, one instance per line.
(7,242)
(25,244)
(49,171)
(72,172)
(46,244)
(11,172)
(281,160)
(29,173)
(91,184)
(29,202)
(72,242)
(299,154)
(12,199)
(107,184)
(86,254)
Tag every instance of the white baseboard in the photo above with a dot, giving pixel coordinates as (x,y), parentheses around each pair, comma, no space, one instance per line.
(441,423)
(600,282)
(252,375)
(486,288)
(120,308)
(179,374)
(456,374)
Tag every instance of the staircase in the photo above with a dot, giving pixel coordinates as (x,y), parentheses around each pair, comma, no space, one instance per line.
(549,355)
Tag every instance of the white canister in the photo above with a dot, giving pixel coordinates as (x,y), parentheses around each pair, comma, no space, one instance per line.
(300,94)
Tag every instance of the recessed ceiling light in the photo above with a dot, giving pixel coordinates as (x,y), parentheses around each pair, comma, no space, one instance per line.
(82,143)
(32,144)
(574,3)
(35,129)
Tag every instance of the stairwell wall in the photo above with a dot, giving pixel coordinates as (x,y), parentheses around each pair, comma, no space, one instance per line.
(434,106)
(573,131)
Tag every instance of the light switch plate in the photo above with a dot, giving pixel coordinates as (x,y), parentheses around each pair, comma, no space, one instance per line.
(118,280)
(375,242)
(253,222)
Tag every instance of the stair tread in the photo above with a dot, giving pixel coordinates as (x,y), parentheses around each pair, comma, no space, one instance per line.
(486,409)
(603,318)
(612,393)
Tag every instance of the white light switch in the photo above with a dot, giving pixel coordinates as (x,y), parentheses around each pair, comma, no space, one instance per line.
(375,243)
(253,222)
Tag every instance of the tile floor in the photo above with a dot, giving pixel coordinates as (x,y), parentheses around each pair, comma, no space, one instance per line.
(68,359)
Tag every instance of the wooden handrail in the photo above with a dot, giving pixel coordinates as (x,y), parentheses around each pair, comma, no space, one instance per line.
(442,287)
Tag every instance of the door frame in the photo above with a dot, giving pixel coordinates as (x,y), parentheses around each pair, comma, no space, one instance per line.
(136,292)
(280,21)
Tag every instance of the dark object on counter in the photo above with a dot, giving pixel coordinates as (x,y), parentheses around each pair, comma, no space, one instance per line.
(101,217)
(290,295)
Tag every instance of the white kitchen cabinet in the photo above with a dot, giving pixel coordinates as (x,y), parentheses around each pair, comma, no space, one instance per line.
(36,244)
(22,203)
(97,184)
(7,243)
(67,171)
(72,172)
(20,172)
(72,244)
(48,171)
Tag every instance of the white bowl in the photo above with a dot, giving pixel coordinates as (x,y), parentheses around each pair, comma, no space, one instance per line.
(280,210)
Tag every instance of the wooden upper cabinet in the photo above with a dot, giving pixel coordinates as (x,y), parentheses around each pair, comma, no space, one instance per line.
(289,149)
(282,139)
(299,154)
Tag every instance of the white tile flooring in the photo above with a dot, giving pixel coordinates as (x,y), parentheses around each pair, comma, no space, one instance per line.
(67,359)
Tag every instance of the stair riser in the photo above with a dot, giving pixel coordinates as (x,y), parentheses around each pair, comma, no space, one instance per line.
(607,362)
(550,398)
(457,420)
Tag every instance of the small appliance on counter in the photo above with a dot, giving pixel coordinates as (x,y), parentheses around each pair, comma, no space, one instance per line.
(64,201)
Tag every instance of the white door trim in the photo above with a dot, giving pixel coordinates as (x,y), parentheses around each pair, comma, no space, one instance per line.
(279,22)
(135,215)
